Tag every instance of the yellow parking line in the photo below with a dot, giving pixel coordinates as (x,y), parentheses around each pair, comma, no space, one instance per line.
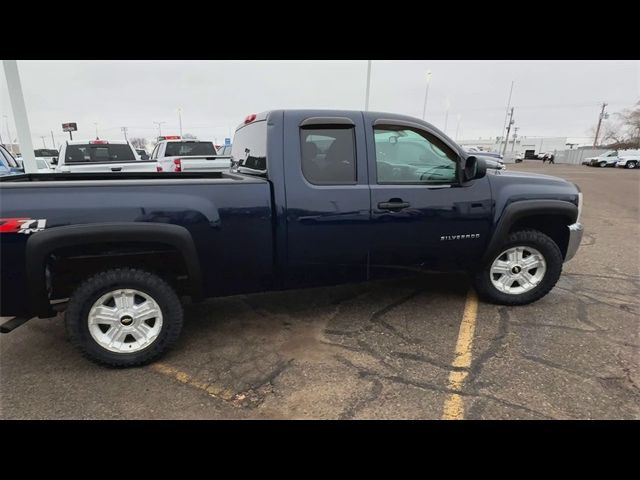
(454,404)
(182,377)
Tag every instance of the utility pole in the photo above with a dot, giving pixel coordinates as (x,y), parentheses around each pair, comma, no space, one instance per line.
(44,145)
(515,134)
(602,115)
(53,141)
(366,101)
(180,120)
(124,130)
(159,124)
(96,124)
(506,139)
(458,127)
(426,96)
(506,113)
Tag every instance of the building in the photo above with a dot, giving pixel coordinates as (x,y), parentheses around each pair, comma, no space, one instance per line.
(14,148)
(524,145)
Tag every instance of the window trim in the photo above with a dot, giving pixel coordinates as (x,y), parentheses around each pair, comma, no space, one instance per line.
(419,129)
(328,126)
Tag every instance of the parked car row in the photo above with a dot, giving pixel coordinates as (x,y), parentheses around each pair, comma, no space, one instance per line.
(612,158)
(171,154)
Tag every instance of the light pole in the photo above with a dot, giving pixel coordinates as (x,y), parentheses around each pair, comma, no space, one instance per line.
(96,124)
(44,145)
(159,124)
(446,114)
(180,120)
(426,96)
(458,127)
(53,141)
(124,130)
(366,102)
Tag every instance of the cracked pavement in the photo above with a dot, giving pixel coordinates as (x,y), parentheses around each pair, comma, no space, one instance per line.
(377,350)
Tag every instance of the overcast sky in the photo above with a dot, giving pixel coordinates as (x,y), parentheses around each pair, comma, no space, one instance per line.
(551,98)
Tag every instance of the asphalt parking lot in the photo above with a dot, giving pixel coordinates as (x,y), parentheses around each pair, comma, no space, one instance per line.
(416,348)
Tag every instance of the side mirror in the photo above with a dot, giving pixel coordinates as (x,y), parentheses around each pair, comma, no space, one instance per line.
(54,161)
(144,157)
(473,168)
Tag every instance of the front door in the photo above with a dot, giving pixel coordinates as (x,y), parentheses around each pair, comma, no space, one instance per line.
(327,198)
(421,214)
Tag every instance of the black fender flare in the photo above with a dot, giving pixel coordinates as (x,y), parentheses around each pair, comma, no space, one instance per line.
(41,244)
(525,208)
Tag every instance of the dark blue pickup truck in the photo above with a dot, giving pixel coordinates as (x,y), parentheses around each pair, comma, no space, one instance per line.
(313,198)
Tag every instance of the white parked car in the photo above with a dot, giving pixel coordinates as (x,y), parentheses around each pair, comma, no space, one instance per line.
(96,156)
(175,154)
(631,160)
(44,166)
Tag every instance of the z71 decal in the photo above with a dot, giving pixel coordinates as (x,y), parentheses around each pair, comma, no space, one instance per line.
(22,225)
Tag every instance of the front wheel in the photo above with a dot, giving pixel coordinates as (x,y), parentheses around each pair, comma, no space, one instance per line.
(525,269)
(603,164)
(123,317)
(632,164)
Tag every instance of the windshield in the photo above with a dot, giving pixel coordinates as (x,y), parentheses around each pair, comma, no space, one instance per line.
(98,153)
(189,148)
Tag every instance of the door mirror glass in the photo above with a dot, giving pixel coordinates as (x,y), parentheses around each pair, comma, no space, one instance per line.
(474,167)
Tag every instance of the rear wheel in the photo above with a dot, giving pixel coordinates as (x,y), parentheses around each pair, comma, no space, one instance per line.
(603,164)
(632,164)
(525,269)
(123,317)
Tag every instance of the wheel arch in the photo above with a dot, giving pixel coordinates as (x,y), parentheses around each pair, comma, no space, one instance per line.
(41,244)
(543,215)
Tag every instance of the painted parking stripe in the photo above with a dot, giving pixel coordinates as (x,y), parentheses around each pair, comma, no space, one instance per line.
(454,403)
(183,377)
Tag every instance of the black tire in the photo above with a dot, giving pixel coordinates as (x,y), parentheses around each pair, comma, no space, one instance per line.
(631,165)
(89,291)
(602,164)
(553,258)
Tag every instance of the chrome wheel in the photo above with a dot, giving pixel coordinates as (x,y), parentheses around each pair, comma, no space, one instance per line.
(125,320)
(518,270)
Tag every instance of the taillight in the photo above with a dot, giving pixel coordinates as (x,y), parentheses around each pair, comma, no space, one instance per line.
(177,165)
(158,168)
(250,118)
(98,142)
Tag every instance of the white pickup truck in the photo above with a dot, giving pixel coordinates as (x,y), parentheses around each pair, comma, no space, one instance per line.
(96,156)
(176,154)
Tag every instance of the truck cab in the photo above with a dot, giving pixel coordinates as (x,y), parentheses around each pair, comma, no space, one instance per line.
(96,156)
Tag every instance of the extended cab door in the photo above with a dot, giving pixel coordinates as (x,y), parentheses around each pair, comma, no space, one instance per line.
(421,214)
(327,198)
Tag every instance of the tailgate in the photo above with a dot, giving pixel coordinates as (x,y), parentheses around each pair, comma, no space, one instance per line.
(94,167)
(204,164)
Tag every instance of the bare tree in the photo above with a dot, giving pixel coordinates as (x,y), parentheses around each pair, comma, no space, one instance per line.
(138,142)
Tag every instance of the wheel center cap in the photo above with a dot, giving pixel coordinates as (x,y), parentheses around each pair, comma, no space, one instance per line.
(516,269)
(126,320)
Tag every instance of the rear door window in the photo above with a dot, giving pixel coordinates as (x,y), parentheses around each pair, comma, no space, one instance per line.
(98,153)
(328,155)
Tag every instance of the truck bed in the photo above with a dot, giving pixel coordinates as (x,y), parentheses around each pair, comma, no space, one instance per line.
(228,216)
